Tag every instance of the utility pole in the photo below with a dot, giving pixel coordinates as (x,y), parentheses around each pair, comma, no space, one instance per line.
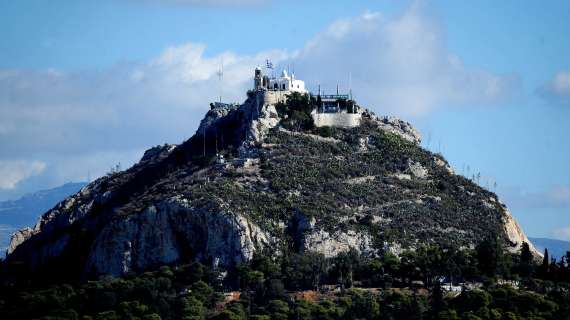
(216,141)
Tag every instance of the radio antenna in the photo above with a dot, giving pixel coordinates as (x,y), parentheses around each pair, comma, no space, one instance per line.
(220,74)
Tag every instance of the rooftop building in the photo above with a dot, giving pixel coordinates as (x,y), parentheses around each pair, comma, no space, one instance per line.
(285,82)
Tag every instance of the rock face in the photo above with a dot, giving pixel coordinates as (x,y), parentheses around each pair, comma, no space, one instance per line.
(17,238)
(515,234)
(157,152)
(368,188)
(309,238)
(397,126)
(330,245)
(170,231)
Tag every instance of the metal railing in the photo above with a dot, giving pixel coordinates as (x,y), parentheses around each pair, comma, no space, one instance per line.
(332,96)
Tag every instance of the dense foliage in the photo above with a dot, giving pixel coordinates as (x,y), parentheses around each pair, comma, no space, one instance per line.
(296,112)
(337,182)
(309,286)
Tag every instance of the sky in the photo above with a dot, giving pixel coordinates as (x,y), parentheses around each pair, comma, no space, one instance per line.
(86,85)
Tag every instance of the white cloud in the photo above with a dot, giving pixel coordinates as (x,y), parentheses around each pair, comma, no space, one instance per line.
(400,66)
(130,106)
(561,233)
(557,89)
(12,172)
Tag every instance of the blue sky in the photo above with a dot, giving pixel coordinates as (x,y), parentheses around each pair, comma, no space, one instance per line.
(87,84)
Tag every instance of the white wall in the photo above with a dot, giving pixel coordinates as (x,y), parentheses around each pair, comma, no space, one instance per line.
(273,97)
(290,85)
(344,120)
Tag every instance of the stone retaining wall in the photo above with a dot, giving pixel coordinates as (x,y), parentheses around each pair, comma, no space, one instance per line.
(344,120)
(273,97)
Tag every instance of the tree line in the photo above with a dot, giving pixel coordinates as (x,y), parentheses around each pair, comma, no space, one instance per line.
(349,286)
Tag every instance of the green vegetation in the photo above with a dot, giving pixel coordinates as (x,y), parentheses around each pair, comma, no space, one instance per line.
(315,177)
(179,293)
(309,286)
(296,112)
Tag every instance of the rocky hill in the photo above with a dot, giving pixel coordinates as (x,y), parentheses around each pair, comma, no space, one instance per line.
(16,214)
(281,185)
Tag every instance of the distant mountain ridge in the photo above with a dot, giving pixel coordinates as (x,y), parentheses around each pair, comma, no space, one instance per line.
(25,211)
(556,248)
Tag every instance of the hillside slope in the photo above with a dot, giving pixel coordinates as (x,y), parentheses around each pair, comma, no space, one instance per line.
(283,185)
(16,214)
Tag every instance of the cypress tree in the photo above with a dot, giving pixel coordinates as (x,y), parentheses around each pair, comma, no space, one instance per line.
(545,267)
(489,256)
(526,262)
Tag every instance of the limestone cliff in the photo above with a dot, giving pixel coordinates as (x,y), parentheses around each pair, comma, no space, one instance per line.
(170,231)
(282,184)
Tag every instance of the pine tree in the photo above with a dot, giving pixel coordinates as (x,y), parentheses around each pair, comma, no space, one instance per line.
(489,256)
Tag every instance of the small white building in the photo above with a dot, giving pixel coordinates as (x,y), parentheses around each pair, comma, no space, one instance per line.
(449,287)
(285,82)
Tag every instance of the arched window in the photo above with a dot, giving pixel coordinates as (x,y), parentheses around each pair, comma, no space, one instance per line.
(283,86)
(275,86)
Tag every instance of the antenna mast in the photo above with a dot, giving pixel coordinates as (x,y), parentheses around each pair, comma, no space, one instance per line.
(220,74)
